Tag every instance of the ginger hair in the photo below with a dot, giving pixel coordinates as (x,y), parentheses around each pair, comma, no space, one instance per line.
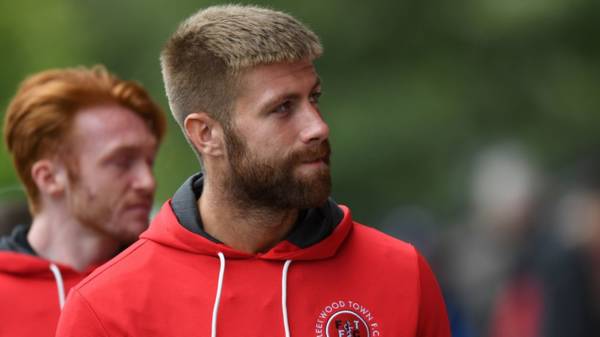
(38,119)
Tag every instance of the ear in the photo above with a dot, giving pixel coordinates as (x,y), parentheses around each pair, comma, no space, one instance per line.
(49,177)
(205,133)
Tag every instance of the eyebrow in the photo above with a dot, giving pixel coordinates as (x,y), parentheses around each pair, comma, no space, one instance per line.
(120,149)
(273,101)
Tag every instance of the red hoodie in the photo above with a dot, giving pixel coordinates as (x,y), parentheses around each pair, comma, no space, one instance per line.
(31,291)
(355,281)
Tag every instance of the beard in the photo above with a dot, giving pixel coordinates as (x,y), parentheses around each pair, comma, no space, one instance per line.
(271,183)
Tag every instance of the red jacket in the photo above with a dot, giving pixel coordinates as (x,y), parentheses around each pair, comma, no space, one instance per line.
(30,294)
(354,282)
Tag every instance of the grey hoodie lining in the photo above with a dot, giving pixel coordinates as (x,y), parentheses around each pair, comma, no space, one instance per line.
(312,226)
(17,242)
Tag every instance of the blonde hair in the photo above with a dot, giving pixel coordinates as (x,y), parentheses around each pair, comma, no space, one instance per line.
(202,60)
(39,117)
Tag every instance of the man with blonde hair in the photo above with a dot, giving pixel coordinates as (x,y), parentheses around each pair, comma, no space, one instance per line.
(83,143)
(253,245)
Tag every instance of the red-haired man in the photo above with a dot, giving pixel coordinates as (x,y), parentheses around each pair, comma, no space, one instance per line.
(83,143)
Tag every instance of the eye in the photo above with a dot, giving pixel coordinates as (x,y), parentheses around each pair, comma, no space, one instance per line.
(315,97)
(122,162)
(284,108)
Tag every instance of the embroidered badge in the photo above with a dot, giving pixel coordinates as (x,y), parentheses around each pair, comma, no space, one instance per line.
(346,319)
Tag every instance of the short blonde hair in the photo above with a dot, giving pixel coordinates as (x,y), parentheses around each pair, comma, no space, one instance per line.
(203,58)
(39,117)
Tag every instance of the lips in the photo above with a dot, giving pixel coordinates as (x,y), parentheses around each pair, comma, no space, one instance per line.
(145,206)
(320,154)
(324,159)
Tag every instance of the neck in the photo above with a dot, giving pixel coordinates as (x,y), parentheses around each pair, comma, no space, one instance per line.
(242,227)
(57,237)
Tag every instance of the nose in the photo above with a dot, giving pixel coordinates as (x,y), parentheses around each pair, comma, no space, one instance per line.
(144,178)
(315,128)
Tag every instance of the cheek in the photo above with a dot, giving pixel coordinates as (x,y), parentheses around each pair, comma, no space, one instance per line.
(109,181)
(104,194)
(266,136)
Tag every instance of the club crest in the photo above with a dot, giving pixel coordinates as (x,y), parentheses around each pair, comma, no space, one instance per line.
(346,318)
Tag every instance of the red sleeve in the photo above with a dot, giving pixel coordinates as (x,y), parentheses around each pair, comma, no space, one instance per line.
(433,319)
(79,319)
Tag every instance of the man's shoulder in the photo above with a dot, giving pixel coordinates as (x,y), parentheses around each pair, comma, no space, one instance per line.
(119,269)
(392,263)
(368,241)
(19,265)
(374,236)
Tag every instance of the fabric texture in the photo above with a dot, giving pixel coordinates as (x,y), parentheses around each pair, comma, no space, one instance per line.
(331,277)
(29,290)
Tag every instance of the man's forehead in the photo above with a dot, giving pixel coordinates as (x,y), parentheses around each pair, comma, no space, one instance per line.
(277,71)
(104,125)
(263,83)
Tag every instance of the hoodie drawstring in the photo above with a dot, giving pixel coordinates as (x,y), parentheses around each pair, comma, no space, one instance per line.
(215,315)
(59,284)
(213,332)
(284,273)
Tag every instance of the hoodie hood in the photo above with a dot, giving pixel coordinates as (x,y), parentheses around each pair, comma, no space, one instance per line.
(317,234)
(17,242)
(17,257)
(19,264)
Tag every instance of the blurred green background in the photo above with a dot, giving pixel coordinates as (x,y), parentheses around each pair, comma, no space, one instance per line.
(412,88)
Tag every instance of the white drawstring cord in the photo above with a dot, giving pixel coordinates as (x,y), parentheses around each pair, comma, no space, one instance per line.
(218,296)
(284,273)
(286,324)
(59,284)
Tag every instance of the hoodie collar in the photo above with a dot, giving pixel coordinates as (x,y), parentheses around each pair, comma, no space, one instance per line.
(312,226)
(318,232)
(17,241)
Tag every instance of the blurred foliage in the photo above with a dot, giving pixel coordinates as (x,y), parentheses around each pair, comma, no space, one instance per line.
(412,88)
